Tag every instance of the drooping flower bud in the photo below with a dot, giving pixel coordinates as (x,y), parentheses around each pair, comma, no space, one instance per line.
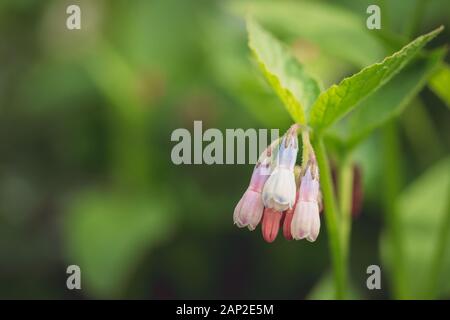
(249,210)
(279,190)
(271,224)
(306,220)
(288,215)
(250,207)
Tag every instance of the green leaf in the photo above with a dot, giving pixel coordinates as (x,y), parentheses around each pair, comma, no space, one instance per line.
(334,30)
(440,84)
(284,73)
(229,67)
(339,99)
(107,234)
(422,209)
(389,102)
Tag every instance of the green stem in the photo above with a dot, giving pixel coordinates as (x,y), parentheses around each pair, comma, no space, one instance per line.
(391,188)
(421,133)
(345,202)
(331,216)
(439,254)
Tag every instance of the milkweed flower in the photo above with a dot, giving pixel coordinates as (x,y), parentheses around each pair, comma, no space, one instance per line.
(249,210)
(306,220)
(279,190)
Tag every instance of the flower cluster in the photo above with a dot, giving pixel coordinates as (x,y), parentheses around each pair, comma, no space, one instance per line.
(275,197)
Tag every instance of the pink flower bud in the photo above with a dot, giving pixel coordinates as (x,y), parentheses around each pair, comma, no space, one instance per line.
(249,210)
(288,215)
(279,190)
(271,224)
(306,220)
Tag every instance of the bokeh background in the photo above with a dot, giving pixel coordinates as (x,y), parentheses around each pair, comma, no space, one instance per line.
(85,171)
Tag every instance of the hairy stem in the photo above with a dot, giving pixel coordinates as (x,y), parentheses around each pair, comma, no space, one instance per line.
(391,188)
(439,254)
(345,204)
(331,216)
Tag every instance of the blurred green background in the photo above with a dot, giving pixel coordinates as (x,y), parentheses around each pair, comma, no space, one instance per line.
(85,171)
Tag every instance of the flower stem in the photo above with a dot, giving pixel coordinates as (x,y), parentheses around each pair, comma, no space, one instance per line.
(345,204)
(331,216)
(439,254)
(391,188)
